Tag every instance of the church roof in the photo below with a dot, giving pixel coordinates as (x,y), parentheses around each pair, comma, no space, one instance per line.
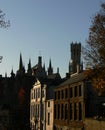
(54,76)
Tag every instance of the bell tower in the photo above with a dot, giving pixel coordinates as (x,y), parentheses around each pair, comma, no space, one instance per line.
(75,57)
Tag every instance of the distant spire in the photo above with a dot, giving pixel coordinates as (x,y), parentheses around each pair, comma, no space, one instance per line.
(29,64)
(40,61)
(21,70)
(50,69)
(29,68)
(12,73)
(20,63)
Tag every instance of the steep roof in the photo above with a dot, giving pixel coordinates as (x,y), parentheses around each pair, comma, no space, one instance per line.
(74,79)
(54,76)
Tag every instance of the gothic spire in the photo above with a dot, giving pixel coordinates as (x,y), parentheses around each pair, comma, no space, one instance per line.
(29,67)
(50,69)
(21,70)
(20,63)
(29,64)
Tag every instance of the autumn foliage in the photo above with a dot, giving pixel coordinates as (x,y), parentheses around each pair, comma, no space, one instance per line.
(97,77)
(95,50)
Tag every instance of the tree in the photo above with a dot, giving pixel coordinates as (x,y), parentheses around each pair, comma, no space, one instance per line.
(95,50)
(3,22)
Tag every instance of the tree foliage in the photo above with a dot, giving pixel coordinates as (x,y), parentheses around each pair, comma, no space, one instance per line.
(3,22)
(95,50)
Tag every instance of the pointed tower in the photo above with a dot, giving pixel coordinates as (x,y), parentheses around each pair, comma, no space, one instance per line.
(29,71)
(20,63)
(21,70)
(44,68)
(50,69)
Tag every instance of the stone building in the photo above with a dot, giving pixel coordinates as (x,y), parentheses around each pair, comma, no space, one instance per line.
(69,104)
(15,91)
(76,99)
(42,97)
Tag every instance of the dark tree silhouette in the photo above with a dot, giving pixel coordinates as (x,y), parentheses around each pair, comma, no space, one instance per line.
(3,22)
(95,50)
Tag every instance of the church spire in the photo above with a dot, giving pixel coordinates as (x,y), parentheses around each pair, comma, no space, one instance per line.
(29,67)
(50,69)
(20,62)
(21,67)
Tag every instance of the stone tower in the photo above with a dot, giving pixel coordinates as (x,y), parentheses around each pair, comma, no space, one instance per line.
(75,62)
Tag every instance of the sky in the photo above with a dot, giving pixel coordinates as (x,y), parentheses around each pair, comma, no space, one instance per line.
(46,28)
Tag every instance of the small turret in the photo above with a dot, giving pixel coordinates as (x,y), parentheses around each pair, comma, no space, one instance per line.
(12,73)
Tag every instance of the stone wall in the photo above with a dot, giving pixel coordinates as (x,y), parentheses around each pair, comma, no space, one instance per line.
(93,124)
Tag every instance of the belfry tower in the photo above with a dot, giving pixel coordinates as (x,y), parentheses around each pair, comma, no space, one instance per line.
(75,62)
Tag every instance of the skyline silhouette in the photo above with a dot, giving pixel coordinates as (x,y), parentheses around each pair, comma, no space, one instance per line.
(45,26)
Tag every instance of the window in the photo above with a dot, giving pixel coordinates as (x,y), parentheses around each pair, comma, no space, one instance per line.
(48,118)
(71,93)
(58,111)
(55,111)
(38,110)
(70,111)
(42,111)
(80,92)
(48,103)
(38,92)
(34,94)
(66,111)
(42,93)
(66,93)
(62,94)
(75,112)
(62,111)
(75,89)
(55,95)
(58,94)
(80,111)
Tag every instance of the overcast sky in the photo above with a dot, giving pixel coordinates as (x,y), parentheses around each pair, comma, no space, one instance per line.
(46,28)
